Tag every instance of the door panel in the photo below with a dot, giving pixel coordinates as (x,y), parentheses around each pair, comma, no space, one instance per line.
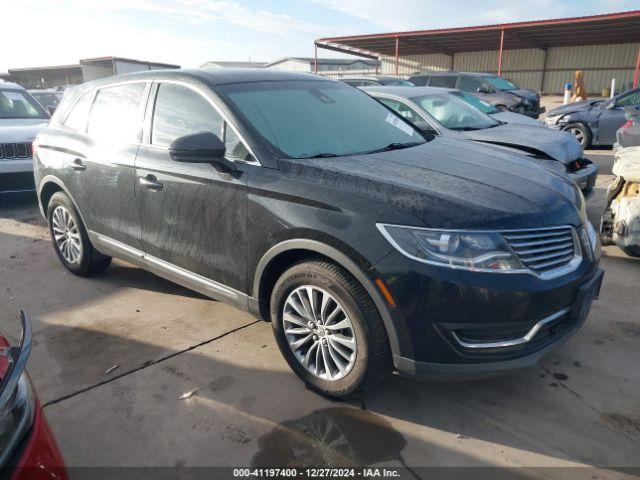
(197,220)
(609,122)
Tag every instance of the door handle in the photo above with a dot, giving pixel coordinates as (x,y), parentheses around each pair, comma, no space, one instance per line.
(150,182)
(77,165)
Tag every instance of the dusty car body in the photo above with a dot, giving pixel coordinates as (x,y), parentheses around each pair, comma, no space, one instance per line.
(594,122)
(621,217)
(427,108)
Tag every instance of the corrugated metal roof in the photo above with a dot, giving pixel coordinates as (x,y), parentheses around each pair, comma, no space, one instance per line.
(622,27)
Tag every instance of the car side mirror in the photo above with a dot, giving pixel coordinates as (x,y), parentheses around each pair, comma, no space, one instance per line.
(483,89)
(201,147)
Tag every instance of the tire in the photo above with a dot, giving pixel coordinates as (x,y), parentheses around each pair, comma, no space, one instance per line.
(582,133)
(632,251)
(502,108)
(370,362)
(77,255)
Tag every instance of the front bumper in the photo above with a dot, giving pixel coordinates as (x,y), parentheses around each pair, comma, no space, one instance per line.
(459,324)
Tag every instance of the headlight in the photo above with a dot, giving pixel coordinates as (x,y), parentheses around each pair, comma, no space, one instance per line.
(594,240)
(484,251)
(16,418)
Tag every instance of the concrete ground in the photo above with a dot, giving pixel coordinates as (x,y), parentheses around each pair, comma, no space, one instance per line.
(579,407)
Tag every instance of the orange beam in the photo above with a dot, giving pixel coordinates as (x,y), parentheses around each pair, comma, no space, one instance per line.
(397,54)
(500,54)
(636,74)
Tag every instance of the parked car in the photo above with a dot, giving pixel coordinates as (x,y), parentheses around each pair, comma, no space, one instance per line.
(48,98)
(21,118)
(445,113)
(594,122)
(368,245)
(498,91)
(28,449)
(621,217)
(628,135)
(373,80)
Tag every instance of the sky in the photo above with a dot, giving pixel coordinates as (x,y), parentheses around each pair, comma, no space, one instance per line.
(192,32)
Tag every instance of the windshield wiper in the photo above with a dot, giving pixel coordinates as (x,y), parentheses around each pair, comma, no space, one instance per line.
(465,129)
(394,146)
(322,155)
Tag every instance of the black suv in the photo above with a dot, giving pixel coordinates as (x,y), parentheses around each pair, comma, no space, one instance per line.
(498,91)
(368,245)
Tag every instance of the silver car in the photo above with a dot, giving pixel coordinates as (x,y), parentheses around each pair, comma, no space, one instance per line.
(443,113)
(21,118)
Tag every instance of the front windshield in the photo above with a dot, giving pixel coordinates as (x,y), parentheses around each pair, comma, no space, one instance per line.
(476,102)
(500,83)
(454,113)
(314,118)
(18,104)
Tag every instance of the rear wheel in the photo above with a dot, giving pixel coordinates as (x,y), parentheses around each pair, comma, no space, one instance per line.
(581,132)
(329,330)
(70,239)
(502,108)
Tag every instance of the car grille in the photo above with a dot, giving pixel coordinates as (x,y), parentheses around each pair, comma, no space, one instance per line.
(15,150)
(543,250)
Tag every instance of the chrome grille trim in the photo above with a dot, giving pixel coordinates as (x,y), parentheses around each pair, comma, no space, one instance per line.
(547,252)
(11,151)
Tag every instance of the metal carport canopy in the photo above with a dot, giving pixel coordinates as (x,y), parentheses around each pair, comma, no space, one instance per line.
(623,27)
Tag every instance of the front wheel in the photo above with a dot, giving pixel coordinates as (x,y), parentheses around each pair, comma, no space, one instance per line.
(329,330)
(581,132)
(70,239)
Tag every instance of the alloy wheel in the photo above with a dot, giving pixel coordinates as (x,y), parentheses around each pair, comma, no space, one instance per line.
(579,135)
(66,235)
(319,332)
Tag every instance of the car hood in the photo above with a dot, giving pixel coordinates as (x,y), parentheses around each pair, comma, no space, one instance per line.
(21,129)
(525,93)
(627,164)
(511,117)
(449,183)
(574,107)
(532,139)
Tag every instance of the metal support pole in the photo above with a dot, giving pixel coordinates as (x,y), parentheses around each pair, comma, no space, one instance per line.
(500,54)
(636,74)
(397,55)
(315,58)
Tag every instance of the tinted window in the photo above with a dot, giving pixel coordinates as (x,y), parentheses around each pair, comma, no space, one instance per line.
(448,81)
(115,114)
(470,84)
(454,113)
(398,82)
(633,99)
(300,119)
(77,117)
(353,83)
(420,81)
(180,111)
(19,104)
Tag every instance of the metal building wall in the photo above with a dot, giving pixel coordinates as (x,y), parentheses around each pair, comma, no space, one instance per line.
(600,63)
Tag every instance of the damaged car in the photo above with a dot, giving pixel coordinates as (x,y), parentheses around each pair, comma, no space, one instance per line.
(621,217)
(369,246)
(444,113)
(594,122)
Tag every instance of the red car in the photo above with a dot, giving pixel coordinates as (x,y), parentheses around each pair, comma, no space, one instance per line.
(28,449)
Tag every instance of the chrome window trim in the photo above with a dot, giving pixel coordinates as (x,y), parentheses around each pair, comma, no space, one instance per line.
(515,341)
(572,265)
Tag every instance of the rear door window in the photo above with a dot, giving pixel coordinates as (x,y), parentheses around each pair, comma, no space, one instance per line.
(181,111)
(448,81)
(116,113)
(419,81)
